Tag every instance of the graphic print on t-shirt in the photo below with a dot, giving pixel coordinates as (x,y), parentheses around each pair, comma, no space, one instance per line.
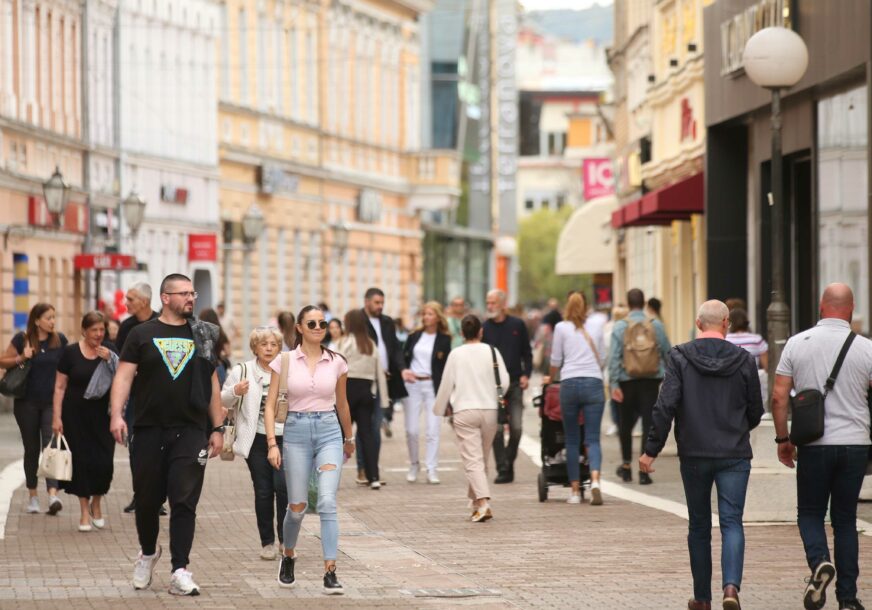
(176,354)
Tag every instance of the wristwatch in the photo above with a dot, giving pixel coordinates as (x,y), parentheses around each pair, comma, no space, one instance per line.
(781,439)
(220,429)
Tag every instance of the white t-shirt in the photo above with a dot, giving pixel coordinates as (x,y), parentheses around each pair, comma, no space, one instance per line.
(809,358)
(264,377)
(572,353)
(422,355)
(382,349)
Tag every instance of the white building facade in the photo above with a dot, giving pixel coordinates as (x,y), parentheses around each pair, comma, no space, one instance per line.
(167,80)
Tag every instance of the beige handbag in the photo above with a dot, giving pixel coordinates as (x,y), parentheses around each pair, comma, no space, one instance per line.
(282,400)
(56,462)
(230,425)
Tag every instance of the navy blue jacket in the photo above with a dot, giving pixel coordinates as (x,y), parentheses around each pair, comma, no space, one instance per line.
(441,347)
(712,390)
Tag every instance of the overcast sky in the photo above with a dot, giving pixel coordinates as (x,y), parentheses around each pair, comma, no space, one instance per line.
(538,5)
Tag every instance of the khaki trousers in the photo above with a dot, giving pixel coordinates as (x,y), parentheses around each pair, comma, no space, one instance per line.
(475,430)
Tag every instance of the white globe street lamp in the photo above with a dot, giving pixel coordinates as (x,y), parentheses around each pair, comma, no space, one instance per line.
(252,224)
(133,209)
(776,58)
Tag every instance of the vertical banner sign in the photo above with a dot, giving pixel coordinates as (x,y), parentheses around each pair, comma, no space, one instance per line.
(507,114)
(20,291)
(479,131)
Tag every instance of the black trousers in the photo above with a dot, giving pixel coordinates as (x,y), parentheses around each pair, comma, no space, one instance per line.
(639,398)
(34,422)
(169,463)
(270,491)
(505,454)
(362,405)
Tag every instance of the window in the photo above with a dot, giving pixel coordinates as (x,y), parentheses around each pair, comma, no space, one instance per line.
(843,181)
(529,204)
(242,53)
(561,200)
(293,66)
(556,142)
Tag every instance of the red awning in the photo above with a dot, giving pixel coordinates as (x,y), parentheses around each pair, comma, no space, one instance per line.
(674,202)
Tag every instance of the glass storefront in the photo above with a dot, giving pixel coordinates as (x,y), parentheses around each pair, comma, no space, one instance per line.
(842,166)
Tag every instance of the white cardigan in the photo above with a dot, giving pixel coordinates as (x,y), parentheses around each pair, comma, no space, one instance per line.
(246,419)
(468,380)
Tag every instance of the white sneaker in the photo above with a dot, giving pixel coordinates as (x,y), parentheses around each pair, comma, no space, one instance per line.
(268,552)
(144,568)
(574,499)
(33,506)
(98,523)
(612,430)
(433,477)
(412,476)
(182,583)
(375,485)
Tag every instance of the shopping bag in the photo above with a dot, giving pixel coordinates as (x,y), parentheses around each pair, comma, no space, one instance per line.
(56,462)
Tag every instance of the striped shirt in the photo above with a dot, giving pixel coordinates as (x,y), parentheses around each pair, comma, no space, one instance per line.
(752,343)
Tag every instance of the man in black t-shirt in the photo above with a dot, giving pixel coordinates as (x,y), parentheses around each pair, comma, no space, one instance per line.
(138,300)
(177,425)
(509,335)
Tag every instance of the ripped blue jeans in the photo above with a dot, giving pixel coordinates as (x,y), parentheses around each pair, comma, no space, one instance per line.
(312,439)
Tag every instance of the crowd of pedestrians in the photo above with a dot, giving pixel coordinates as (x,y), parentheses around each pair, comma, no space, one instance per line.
(319,388)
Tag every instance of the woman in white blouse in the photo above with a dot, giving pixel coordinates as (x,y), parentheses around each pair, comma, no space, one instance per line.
(578,352)
(250,380)
(469,387)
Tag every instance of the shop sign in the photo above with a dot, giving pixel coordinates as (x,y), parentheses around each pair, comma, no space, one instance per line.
(202,248)
(172,194)
(272,179)
(736,31)
(688,123)
(369,205)
(598,178)
(104,262)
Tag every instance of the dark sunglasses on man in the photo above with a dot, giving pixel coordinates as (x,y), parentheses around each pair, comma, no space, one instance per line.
(312,324)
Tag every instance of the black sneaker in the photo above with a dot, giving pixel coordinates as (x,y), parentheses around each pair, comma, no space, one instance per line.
(286,572)
(624,473)
(331,583)
(851,604)
(504,477)
(131,508)
(645,478)
(816,592)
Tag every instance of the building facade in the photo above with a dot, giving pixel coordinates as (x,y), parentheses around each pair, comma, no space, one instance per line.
(827,157)
(319,129)
(661,246)
(41,129)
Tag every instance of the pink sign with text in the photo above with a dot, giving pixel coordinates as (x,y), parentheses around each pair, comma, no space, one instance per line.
(598,178)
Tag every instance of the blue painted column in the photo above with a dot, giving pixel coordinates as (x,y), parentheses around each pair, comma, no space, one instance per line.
(20,291)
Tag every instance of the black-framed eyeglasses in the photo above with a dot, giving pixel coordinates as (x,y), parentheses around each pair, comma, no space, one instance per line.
(313,324)
(186,294)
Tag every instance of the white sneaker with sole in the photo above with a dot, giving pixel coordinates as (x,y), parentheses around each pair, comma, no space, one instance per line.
(612,430)
(33,506)
(375,485)
(268,552)
(144,568)
(433,478)
(574,499)
(412,476)
(182,583)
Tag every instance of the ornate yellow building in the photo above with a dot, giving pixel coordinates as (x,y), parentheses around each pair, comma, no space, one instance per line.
(319,128)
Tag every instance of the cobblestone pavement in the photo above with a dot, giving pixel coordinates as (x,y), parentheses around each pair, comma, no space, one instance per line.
(406,545)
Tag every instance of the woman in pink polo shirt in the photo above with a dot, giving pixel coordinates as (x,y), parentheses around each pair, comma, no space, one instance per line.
(315,433)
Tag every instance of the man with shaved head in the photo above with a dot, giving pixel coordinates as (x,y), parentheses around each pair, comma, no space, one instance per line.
(712,390)
(829,470)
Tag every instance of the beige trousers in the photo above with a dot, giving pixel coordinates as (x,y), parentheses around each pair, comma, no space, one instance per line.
(475,430)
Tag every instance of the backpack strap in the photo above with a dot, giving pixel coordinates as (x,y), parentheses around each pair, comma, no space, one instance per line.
(497,379)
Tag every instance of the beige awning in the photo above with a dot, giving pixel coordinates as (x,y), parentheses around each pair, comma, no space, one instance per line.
(586,242)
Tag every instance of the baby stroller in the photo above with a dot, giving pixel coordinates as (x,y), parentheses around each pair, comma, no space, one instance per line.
(551,437)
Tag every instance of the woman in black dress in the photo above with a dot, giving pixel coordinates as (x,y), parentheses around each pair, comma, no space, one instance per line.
(85,423)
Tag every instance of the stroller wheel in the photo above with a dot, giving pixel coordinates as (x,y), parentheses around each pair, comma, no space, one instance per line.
(543,487)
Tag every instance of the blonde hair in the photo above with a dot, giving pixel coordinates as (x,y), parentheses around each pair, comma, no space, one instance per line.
(619,312)
(259,335)
(576,309)
(441,320)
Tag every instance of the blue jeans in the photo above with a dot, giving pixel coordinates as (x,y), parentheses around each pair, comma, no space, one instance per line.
(312,439)
(582,394)
(731,477)
(831,474)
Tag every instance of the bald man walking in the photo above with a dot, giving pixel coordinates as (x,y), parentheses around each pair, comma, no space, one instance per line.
(830,470)
(712,390)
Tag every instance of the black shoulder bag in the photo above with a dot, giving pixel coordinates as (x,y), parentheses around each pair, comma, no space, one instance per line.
(807,420)
(502,412)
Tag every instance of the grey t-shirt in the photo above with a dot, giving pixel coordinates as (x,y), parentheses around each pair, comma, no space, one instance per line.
(809,358)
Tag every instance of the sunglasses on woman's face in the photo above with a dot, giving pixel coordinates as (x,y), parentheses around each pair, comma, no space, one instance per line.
(313,324)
